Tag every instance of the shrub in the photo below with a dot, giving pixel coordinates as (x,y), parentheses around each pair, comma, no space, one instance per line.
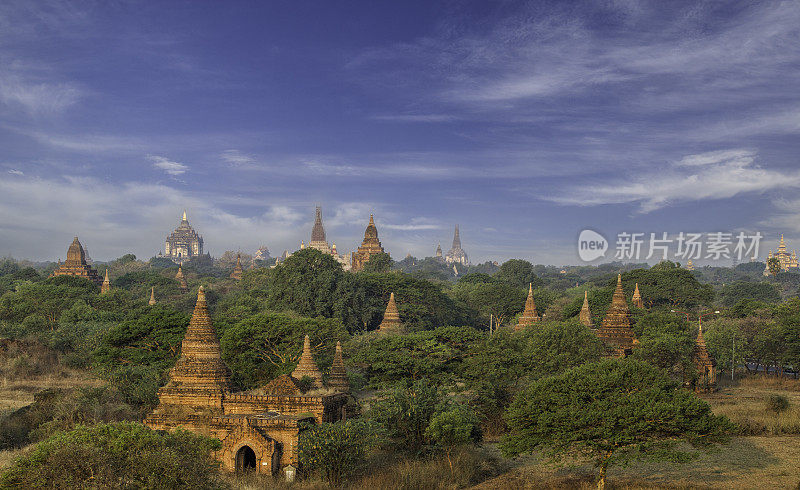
(777,403)
(121,455)
(336,450)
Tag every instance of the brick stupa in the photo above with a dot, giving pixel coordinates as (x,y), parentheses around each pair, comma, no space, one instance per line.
(237,271)
(307,367)
(637,298)
(586,314)
(106,286)
(338,377)
(369,247)
(616,331)
(391,318)
(152,296)
(529,315)
(705,364)
(181,280)
(76,264)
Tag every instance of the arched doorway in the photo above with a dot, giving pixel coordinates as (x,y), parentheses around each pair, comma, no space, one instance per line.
(245,459)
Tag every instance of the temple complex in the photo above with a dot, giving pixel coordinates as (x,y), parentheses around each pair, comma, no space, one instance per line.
(319,242)
(637,298)
(585,315)
(391,318)
(152,296)
(237,270)
(262,254)
(616,331)
(704,363)
(369,247)
(106,286)
(456,255)
(529,315)
(259,432)
(76,264)
(181,280)
(184,243)
(788,261)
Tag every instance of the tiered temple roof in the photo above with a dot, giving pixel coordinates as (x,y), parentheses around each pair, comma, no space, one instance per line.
(237,271)
(106,286)
(199,368)
(616,329)
(391,318)
(307,367)
(586,314)
(637,298)
(456,255)
(338,376)
(184,243)
(529,315)
(76,264)
(369,247)
(704,363)
(181,280)
(787,260)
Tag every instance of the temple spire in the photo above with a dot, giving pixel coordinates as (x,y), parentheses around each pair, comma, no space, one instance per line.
(457,239)
(181,280)
(529,315)
(637,298)
(318,231)
(391,318)
(106,286)
(152,296)
(237,270)
(616,327)
(307,367)
(338,377)
(586,314)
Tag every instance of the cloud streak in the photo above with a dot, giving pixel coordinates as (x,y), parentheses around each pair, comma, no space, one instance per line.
(170,167)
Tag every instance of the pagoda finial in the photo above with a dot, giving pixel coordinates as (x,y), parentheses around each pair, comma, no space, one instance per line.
(152,296)
(201,295)
(371,220)
(184,216)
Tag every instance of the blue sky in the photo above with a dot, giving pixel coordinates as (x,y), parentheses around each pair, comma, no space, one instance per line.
(522,122)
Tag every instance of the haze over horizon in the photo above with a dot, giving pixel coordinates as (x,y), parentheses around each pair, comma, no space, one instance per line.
(522,123)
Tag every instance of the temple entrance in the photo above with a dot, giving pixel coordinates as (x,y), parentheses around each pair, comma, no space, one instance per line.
(245,459)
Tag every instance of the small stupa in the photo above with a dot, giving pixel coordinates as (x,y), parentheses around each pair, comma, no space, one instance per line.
(391,318)
(529,315)
(106,286)
(306,367)
(152,296)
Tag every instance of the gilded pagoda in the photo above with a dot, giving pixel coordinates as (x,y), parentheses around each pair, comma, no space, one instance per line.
(76,264)
(787,260)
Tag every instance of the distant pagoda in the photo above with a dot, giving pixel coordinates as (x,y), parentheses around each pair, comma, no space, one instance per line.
(76,264)
(106,286)
(391,318)
(637,298)
(616,331)
(369,247)
(689,265)
(306,367)
(705,364)
(529,315)
(338,376)
(237,271)
(439,257)
(181,280)
(184,243)
(152,296)
(787,260)
(456,255)
(586,314)
(319,241)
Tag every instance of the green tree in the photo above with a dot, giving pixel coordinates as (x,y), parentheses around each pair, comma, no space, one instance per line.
(749,291)
(405,413)
(336,450)
(456,426)
(555,347)
(267,345)
(379,262)
(612,411)
(501,301)
(119,455)
(666,285)
(517,272)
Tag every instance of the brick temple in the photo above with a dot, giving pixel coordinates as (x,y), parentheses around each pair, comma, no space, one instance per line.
(369,247)
(259,429)
(616,331)
(76,264)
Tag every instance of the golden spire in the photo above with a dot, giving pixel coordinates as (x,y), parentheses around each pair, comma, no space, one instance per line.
(153,296)
(637,298)
(586,314)
(184,216)
(106,286)
(529,315)
(338,377)
(307,367)
(391,317)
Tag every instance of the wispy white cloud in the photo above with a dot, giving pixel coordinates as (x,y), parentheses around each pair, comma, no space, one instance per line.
(38,98)
(171,167)
(415,224)
(16,172)
(90,143)
(238,159)
(713,175)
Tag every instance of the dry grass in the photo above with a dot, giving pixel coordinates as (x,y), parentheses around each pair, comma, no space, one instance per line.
(744,402)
